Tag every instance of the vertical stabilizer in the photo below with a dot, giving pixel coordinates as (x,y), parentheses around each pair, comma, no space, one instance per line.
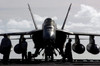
(32,17)
(66,16)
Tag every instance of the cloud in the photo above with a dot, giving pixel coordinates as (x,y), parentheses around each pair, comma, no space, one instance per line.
(88,20)
(86,11)
(2,31)
(14,25)
(17,25)
(89,12)
(41,19)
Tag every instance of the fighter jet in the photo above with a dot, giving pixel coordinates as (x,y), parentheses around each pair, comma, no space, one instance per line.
(50,38)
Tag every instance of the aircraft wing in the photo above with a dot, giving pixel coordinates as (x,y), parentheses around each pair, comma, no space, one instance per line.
(21,33)
(86,34)
(79,33)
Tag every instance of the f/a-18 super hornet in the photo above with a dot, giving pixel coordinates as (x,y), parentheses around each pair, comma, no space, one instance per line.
(50,38)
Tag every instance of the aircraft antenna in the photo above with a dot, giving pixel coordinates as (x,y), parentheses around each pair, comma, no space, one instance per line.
(32,17)
(66,16)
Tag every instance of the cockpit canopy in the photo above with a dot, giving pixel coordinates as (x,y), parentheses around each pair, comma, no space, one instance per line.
(49,22)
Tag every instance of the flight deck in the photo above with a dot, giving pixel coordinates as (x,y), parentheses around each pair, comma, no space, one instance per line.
(56,62)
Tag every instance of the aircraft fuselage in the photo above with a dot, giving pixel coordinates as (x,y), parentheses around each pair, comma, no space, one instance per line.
(49,36)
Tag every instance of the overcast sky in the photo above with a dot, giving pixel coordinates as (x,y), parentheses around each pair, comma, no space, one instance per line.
(84,16)
(15,13)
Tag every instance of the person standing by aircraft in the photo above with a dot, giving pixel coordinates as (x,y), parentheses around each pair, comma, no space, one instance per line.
(6,48)
(24,48)
(68,53)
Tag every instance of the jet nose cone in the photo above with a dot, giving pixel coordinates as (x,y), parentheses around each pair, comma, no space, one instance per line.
(49,35)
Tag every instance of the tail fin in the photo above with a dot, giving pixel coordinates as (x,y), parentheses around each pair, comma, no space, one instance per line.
(66,16)
(32,17)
